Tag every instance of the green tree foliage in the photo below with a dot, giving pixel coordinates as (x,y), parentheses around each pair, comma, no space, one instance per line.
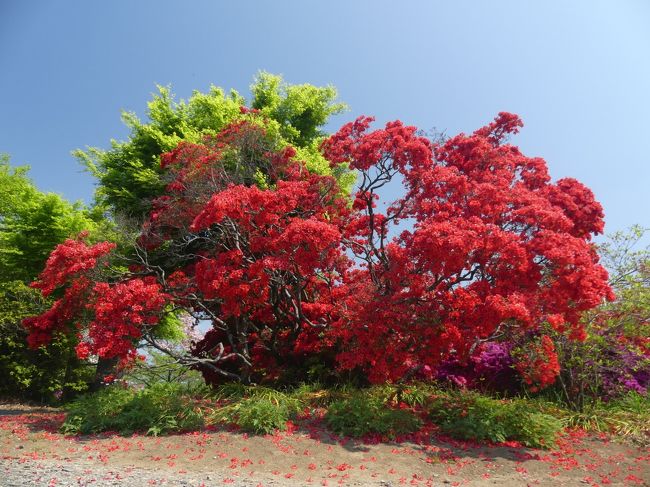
(129,173)
(43,374)
(32,223)
(301,110)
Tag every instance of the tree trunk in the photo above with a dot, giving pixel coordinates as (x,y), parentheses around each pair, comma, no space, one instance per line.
(105,366)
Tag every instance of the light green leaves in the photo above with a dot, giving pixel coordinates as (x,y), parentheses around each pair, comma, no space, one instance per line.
(129,172)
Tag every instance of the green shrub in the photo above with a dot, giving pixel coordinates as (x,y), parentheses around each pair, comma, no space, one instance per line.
(472,416)
(47,374)
(414,394)
(161,408)
(480,419)
(96,412)
(261,415)
(256,409)
(363,414)
(533,429)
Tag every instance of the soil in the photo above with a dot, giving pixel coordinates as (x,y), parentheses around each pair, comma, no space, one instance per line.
(33,453)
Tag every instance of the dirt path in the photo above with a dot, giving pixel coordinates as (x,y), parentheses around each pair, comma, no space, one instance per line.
(33,453)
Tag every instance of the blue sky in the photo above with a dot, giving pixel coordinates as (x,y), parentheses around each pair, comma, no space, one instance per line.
(577,72)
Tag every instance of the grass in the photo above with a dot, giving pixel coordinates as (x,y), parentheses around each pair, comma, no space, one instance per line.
(627,418)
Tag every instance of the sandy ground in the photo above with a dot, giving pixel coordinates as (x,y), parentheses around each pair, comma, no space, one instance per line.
(33,453)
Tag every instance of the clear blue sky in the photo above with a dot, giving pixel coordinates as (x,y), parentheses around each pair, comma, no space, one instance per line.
(578,72)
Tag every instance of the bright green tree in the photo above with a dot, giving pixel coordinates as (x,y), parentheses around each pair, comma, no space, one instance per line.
(32,223)
(129,173)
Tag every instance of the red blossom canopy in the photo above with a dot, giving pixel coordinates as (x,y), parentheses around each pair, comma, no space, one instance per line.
(283,264)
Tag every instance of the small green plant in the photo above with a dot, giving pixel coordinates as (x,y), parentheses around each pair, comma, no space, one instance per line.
(532,429)
(260,410)
(364,414)
(97,411)
(472,416)
(261,415)
(632,402)
(162,408)
(414,394)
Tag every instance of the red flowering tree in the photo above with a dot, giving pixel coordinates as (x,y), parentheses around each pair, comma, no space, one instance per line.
(254,241)
(283,264)
(493,246)
(244,237)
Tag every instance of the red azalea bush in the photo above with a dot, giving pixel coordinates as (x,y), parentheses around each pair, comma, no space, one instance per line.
(494,245)
(69,270)
(284,266)
(538,363)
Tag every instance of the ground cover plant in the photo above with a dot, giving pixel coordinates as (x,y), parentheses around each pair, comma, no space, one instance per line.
(158,409)
(473,416)
(361,415)
(378,413)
